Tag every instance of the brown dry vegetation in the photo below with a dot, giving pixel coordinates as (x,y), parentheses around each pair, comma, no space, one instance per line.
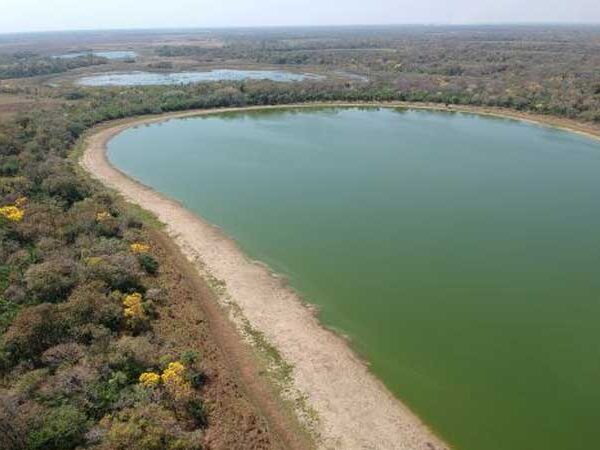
(11,105)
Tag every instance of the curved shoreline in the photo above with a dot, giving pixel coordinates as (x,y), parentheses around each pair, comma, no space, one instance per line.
(355,409)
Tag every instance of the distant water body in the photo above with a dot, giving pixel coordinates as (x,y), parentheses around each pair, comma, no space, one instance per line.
(156,78)
(461,254)
(108,55)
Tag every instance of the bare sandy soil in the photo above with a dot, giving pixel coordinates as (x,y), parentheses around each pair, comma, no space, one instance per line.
(353,409)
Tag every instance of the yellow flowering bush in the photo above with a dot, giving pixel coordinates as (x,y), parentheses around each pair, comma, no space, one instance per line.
(149,379)
(13,213)
(173,371)
(139,247)
(133,306)
(173,377)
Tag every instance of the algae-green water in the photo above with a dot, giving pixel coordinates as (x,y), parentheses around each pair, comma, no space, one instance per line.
(460,254)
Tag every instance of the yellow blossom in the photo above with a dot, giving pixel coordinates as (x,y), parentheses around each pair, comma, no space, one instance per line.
(133,306)
(101,216)
(174,380)
(12,213)
(174,370)
(149,379)
(139,247)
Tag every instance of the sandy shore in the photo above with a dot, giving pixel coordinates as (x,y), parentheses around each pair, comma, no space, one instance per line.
(354,409)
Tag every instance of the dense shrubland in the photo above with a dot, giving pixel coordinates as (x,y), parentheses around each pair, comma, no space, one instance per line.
(79,288)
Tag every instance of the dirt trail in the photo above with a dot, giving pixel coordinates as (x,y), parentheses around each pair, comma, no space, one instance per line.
(354,409)
(235,385)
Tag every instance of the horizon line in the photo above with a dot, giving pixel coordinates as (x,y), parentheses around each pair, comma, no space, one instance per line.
(259,27)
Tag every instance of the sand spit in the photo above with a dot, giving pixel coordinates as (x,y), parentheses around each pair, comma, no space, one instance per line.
(354,409)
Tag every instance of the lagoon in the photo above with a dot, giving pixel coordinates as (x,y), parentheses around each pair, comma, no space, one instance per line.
(459,253)
(114,54)
(175,78)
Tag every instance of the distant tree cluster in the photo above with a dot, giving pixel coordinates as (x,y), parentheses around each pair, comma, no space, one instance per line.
(30,65)
(551,70)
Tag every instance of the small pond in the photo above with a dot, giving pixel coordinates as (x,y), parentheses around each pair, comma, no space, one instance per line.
(108,54)
(174,78)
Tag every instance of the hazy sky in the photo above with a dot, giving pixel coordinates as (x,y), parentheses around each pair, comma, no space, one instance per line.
(36,15)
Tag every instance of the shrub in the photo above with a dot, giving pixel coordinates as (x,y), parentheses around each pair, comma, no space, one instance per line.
(8,311)
(190,357)
(94,335)
(14,294)
(66,187)
(12,213)
(149,379)
(63,354)
(92,246)
(9,166)
(30,381)
(51,281)
(34,330)
(69,382)
(133,306)
(13,429)
(21,259)
(40,221)
(119,271)
(148,263)
(174,378)
(105,393)
(134,312)
(135,353)
(12,185)
(197,411)
(62,428)
(148,427)
(88,303)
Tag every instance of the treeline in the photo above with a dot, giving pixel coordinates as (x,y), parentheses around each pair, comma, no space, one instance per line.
(29,65)
(117,103)
(551,70)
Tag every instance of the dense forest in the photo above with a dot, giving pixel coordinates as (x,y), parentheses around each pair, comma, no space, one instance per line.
(83,362)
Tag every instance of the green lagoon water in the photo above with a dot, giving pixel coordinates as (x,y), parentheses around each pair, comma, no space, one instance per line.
(460,254)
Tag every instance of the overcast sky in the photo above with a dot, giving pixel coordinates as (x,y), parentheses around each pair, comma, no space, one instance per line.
(38,15)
